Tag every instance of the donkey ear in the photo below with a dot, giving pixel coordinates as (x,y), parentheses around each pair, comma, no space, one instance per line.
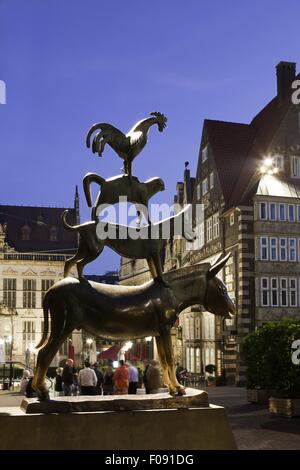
(217,266)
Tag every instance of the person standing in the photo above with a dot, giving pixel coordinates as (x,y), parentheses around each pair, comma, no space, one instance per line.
(87,380)
(24,381)
(120,379)
(145,380)
(68,378)
(58,388)
(100,378)
(108,384)
(153,376)
(133,379)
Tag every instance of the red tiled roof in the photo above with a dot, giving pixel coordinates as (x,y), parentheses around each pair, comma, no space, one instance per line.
(230,143)
(238,148)
(39,220)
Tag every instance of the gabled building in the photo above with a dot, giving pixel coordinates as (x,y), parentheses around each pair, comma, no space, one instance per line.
(33,249)
(248,179)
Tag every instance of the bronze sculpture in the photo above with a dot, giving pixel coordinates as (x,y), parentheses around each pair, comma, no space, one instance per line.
(151,240)
(112,188)
(126,146)
(123,312)
(129,312)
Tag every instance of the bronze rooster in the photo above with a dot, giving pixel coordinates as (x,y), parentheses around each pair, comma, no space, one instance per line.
(126,146)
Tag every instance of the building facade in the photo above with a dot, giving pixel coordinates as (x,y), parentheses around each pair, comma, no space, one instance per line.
(33,250)
(248,181)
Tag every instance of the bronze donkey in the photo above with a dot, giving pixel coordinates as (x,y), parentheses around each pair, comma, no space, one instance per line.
(129,312)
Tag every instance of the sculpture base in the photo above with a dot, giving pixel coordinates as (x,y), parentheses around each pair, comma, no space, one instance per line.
(185,429)
(192,398)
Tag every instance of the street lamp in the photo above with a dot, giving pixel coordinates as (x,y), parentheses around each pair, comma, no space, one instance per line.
(89,342)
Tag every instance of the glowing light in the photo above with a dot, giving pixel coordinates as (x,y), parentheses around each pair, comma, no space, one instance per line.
(275,171)
(115,364)
(32,348)
(89,341)
(127,346)
(263,169)
(148,339)
(268,161)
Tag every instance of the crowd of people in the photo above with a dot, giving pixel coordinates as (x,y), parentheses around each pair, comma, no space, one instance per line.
(94,380)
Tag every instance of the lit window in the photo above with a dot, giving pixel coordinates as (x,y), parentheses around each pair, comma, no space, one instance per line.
(263,248)
(211,180)
(265,291)
(295,167)
(263,210)
(274,292)
(9,292)
(273,249)
(282,216)
(205,153)
(209,231)
(272,211)
(292,249)
(205,186)
(283,293)
(215,225)
(278,162)
(291,213)
(231,219)
(293,292)
(282,250)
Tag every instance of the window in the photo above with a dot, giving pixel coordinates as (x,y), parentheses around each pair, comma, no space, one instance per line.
(53,233)
(272,211)
(197,330)
(211,180)
(283,292)
(9,292)
(263,211)
(263,248)
(265,291)
(274,292)
(215,225)
(28,332)
(231,219)
(282,249)
(204,186)
(192,328)
(188,358)
(46,284)
(29,297)
(25,232)
(295,167)
(293,292)
(198,191)
(205,153)
(187,328)
(192,369)
(278,162)
(291,213)
(209,231)
(298,212)
(198,362)
(292,249)
(273,249)
(282,216)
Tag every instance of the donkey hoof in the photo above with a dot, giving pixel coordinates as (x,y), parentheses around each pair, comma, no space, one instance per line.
(181,391)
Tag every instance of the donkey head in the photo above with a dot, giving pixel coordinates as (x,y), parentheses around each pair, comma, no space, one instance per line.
(216,298)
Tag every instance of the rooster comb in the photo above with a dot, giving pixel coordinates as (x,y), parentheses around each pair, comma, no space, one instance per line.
(161,118)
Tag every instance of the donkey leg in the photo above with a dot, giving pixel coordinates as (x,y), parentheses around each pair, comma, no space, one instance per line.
(164,364)
(158,268)
(44,359)
(168,348)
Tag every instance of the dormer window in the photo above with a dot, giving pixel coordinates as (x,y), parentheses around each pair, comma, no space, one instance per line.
(25,232)
(53,233)
(278,162)
(295,167)
(205,153)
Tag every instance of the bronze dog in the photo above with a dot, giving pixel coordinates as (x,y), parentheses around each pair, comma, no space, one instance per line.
(130,242)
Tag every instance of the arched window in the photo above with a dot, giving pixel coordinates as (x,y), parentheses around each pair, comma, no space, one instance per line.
(25,232)
(53,233)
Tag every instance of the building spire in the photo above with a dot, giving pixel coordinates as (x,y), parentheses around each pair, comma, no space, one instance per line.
(76,205)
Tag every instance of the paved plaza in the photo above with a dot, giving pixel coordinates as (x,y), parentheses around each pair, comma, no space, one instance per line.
(252,425)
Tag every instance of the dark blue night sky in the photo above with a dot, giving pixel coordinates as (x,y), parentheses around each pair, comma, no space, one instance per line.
(68,64)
